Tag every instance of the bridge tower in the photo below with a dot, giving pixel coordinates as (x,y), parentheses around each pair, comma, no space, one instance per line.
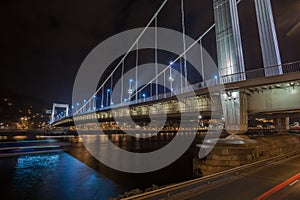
(268,38)
(55,105)
(231,64)
(229,44)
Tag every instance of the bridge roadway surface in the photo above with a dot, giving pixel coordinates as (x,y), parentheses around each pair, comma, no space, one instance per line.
(280,178)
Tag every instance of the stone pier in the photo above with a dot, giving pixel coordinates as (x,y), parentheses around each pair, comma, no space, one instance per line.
(282,124)
(235,110)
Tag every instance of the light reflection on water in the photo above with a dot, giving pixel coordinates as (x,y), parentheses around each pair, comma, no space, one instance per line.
(178,171)
(53,176)
(62,176)
(32,170)
(20,137)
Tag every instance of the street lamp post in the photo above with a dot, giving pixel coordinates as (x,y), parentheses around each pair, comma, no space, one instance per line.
(77,106)
(216,79)
(130,89)
(107,94)
(144,96)
(84,106)
(94,102)
(102,98)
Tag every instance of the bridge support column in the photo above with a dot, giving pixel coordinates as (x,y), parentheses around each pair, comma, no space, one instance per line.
(234,104)
(282,124)
(268,38)
(229,44)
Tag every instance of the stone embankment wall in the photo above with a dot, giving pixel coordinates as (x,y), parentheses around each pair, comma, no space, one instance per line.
(226,156)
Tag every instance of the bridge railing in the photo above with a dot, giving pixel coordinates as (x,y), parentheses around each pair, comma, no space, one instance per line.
(262,72)
(291,67)
(251,74)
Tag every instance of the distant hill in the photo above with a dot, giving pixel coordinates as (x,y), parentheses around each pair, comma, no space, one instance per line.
(13,107)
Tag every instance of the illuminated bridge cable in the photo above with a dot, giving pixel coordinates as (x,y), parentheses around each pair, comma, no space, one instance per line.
(181,71)
(165,89)
(102,97)
(183,53)
(129,50)
(122,82)
(111,87)
(201,60)
(136,69)
(138,38)
(184,42)
(156,67)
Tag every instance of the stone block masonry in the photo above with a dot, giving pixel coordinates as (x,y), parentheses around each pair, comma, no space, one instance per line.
(226,156)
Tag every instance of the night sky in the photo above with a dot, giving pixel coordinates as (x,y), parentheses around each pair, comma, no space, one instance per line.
(43,43)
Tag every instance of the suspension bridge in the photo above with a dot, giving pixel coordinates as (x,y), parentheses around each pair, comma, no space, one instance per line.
(272,89)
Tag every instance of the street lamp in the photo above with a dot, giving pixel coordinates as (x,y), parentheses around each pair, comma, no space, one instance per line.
(130,89)
(107,93)
(84,108)
(102,97)
(94,102)
(216,79)
(171,82)
(77,106)
(144,96)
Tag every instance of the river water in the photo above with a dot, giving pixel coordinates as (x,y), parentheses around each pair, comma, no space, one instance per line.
(76,174)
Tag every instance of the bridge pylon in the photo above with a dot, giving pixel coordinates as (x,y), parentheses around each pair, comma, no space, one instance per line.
(268,38)
(235,110)
(231,65)
(56,105)
(229,44)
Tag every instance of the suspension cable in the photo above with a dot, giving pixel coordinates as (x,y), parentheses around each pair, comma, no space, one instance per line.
(183,53)
(138,38)
(136,69)
(125,55)
(201,60)
(122,82)
(156,60)
(184,42)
